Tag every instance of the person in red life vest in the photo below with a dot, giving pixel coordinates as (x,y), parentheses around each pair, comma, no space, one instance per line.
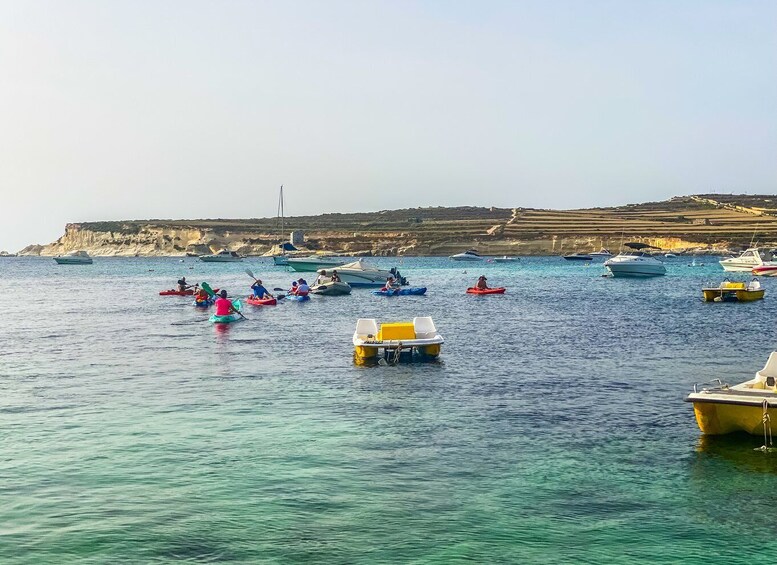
(224,306)
(293,289)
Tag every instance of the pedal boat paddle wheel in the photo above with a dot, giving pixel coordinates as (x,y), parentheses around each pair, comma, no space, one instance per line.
(418,337)
(746,407)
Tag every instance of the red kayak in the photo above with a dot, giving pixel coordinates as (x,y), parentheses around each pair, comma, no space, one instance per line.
(261,301)
(176,293)
(500,290)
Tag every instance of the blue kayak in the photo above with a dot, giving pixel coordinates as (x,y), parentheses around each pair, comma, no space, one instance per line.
(412,291)
(204,303)
(297,298)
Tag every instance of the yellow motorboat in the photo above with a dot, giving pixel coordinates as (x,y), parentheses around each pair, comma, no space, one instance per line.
(730,291)
(746,407)
(417,337)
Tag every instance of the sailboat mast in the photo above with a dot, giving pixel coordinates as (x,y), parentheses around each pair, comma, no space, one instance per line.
(280,209)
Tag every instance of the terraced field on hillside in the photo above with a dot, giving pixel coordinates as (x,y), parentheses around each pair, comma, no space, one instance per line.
(691,222)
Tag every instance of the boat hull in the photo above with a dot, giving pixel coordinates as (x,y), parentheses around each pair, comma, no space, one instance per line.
(207,259)
(638,267)
(731,295)
(311,266)
(717,417)
(765,271)
(71,261)
(331,289)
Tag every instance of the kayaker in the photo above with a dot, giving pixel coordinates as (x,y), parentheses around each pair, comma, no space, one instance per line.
(201,295)
(182,285)
(302,287)
(335,276)
(390,284)
(224,306)
(482,284)
(293,289)
(259,291)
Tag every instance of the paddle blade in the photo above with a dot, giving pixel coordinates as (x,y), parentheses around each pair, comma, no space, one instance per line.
(276,289)
(250,273)
(206,287)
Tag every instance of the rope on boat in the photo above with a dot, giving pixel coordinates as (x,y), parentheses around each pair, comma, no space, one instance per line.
(767,423)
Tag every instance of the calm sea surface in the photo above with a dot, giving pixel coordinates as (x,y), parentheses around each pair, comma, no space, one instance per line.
(552,430)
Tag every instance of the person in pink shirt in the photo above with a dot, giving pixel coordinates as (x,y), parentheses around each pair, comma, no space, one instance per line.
(224,306)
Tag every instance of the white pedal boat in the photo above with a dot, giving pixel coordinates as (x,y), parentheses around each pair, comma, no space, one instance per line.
(419,336)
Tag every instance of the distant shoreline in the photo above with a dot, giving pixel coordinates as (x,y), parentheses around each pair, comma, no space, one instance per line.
(699,224)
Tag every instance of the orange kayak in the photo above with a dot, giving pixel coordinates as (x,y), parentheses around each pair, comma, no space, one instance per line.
(500,290)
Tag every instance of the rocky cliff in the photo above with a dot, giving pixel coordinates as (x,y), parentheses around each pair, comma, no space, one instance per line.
(703,222)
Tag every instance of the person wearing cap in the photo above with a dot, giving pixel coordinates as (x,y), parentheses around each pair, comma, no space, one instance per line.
(259,291)
(482,284)
(224,306)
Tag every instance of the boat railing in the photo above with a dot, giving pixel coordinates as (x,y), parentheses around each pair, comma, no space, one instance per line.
(720,384)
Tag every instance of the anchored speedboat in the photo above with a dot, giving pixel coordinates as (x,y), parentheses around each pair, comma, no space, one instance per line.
(747,407)
(752,257)
(74,258)
(223,256)
(419,337)
(635,263)
(469,255)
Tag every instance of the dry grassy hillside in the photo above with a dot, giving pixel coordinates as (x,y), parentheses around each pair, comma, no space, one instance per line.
(706,221)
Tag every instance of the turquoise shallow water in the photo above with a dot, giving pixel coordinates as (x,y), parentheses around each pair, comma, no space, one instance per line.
(553,430)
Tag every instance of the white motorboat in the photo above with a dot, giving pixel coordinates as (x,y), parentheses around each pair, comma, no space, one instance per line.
(752,257)
(601,253)
(470,255)
(314,263)
(506,259)
(361,273)
(74,258)
(635,263)
(223,256)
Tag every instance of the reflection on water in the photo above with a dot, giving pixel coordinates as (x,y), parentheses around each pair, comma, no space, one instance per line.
(741,451)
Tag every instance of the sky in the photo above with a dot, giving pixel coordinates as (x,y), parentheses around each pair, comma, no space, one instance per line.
(187,109)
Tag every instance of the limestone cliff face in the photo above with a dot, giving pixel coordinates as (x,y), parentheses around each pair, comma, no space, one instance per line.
(697,223)
(149,240)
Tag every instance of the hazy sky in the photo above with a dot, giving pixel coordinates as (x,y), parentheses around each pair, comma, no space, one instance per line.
(146,109)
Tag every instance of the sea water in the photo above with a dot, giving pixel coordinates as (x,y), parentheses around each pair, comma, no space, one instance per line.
(551,430)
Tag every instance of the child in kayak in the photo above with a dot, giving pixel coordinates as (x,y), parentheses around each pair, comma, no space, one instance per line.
(224,306)
(259,291)
(201,296)
(293,289)
(481,284)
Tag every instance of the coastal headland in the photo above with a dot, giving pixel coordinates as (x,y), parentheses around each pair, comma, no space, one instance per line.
(701,223)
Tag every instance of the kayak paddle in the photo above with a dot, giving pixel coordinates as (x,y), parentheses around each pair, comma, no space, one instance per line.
(206,287)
